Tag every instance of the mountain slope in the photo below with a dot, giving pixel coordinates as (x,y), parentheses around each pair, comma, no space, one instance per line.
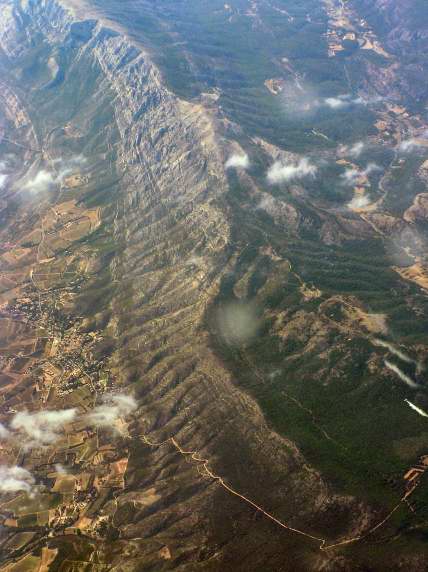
(264,323)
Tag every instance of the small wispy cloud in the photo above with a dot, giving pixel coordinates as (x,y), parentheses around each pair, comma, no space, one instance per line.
(267,203)
(42,427)
(4,433)
(416,408)
(3,175)
(41,182)
(73,161)
(347,100)
(359,202)
(281,172)
(238,323)
(351,176)
(60,469)
(342,101)
(15,479)
(336,102)
(114,408)
(62,168)
(67,167)
(397,352)
(356,149)
(238,161)
(404,377)
(300,98)
(407,145)
(411,144)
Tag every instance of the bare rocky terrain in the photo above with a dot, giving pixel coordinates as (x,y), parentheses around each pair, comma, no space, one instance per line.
(226,346)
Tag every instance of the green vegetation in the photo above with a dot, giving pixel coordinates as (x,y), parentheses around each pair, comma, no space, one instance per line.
(201,46)
(314,370)
(326,398)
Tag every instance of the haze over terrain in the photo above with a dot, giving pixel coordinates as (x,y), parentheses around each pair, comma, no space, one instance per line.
(213,285)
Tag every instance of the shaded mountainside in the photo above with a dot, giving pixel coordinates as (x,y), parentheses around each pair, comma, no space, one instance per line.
(404,29)
(145,276)
(245,318)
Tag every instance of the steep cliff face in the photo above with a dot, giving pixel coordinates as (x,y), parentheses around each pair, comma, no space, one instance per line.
(404,28)
(404,22)
(244,317)
(146,168)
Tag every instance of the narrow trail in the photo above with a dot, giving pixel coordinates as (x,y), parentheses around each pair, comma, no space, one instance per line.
(296,402)
(314,421)
(202,463)
(208,473)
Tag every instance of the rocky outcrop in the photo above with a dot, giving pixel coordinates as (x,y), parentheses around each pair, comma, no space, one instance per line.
(403,26)
(419,209)
(156,163)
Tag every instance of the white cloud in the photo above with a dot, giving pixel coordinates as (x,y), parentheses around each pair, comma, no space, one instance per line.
(351,176)
(372,168)
(125,403)
(238,322)
(346,100)
(267,203)
(41,182)
(416,408)
(343,101)
(44,179)
(3,176)
(397,352)
(356,149)
(408,145)
(113,408)
(60,469)
(412,144)
(300,98)
(14,479)
(359,202)
(43,427)
(76,161)
(237,161)
(407,380)
(281,172)
(336,102)
(353,151)
(4,433)
(68,166)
